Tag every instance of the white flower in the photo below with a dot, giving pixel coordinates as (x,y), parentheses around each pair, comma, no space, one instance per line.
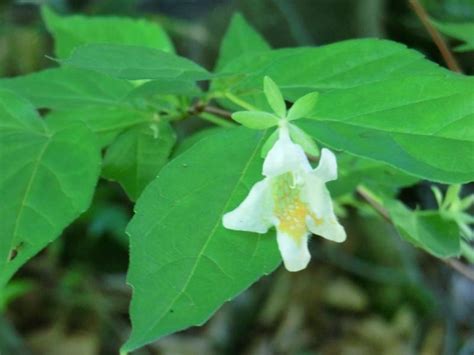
(292,197)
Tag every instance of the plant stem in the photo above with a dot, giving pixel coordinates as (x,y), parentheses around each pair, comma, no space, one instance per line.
(374,202)
(217,111)
(437,38)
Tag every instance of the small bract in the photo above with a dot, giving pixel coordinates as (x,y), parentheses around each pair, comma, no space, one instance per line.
(292,197)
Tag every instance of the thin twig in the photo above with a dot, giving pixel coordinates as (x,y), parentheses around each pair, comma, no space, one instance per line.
(200,107)
(437,38)
(453,263)
(460,267)
(374,204)
(217,111)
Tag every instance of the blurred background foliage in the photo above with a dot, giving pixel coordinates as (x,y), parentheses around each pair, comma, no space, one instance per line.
(373,295)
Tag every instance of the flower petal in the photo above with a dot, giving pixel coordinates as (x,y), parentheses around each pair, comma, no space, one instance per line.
(322,220)
(285,156)
(327,168)
(255,213)
(295,254)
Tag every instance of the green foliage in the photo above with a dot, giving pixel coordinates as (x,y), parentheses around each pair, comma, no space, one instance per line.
(105,122)
(73,31)
(69,88)
(240,38)
(303,106)
(426,229)
(456,208)
(379,177)
(334,67)
(274,97)
(463,31)
(255,119)
(157,88)
(137,155)
(134,62)
(50,169)
(392,116)
(353,113)
(183,263)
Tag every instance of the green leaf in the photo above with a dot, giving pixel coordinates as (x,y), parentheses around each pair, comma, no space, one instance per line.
(134,62)
(425,132)
(463,31)
(161,87)
(68,88)
(377,176)
(239,39)
(160,95)
(378,100)
(106,122)
(49,172)
(426,229)
(274,97)
(255,119)
(303,106)
(72,31)
(137,155)
(183,263)
(333,67)
(191,140)
(306,142)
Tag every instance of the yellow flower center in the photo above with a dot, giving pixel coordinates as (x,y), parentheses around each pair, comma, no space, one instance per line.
(290,210)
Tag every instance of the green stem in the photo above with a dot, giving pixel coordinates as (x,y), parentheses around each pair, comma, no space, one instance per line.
(240,102)
(216,120)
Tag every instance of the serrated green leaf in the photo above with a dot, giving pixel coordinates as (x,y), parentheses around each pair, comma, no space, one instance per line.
(303,106)
(428,133)
(305,141)
(134,62)
(339,66)
(69,88)
(255,119)
(183,263)
(49,172)
(274,97)
(426,229)
(105,122)
(239,39)
(426,128)
(70,32)
(463,31)
(137,155)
